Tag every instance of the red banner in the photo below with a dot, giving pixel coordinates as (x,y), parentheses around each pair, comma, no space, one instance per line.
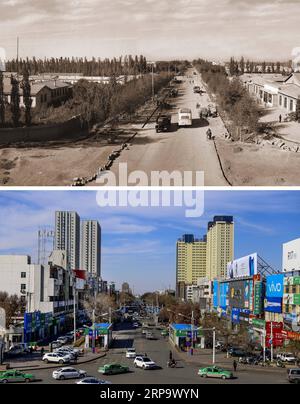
(274,337)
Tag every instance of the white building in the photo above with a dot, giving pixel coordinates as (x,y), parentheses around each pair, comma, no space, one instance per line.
(91,247)
(67,236)
(46,288)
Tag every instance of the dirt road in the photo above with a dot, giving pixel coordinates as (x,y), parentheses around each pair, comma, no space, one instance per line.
(182,149)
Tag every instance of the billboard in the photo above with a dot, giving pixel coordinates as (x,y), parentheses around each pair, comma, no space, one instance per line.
(216,294)
(224,289)
(275,286)
(258,298)
(292,281)
(291,256)
(235,316)
(274,334)
(237,294)
(242,267)
(273,305)
(291,299)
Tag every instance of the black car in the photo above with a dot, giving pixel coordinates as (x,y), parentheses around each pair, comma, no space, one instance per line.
(163,123)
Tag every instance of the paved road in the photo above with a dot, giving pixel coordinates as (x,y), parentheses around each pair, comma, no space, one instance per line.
(158,350)
(183,149)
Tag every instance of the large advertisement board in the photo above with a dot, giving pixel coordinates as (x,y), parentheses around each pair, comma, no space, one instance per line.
(291,256)
(237,294)
(216,294)
(275,286)
(242,267)
(224,289)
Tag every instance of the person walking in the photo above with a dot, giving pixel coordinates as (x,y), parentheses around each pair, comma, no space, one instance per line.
(42,351)
(171,356)
(235,365)
(280,118)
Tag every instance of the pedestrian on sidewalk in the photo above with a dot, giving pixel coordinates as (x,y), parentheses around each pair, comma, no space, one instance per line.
(42,351)
(280,118)
(235,365)
(171,356)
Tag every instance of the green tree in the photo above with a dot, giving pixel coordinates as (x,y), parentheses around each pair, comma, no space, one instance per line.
(2,100)
(27,97)
(12,305)
(15,101)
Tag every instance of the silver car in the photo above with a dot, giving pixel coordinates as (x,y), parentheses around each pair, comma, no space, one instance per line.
(294,376)
(68,373)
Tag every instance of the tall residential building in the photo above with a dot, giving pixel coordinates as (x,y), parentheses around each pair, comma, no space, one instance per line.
(220,246)
(67,236)
(191,260)
(91,247)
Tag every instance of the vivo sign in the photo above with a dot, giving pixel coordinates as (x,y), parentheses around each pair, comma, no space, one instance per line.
(275,286)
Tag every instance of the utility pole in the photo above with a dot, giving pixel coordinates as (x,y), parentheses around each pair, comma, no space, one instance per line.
(74,309)
(18,58)
(271,343)
(94,336)
(153,89)
(214,346)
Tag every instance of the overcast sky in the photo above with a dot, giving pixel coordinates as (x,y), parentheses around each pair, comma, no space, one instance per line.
(159,29)
(139,244)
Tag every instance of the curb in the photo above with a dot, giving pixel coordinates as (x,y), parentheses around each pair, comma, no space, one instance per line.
(24,368)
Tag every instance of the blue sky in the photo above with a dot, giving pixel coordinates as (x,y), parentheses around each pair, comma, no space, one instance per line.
(139,244)
(158,29)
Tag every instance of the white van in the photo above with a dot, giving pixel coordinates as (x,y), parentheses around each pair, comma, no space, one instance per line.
(185,117)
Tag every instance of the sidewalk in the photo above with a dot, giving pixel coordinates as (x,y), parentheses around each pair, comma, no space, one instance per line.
(39,365)
(203,358)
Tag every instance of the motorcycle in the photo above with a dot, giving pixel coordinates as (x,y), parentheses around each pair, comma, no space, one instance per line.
(172,364)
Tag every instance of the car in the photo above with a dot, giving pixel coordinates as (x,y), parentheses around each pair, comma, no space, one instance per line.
(19,349)
(56,344)
(289,358)
(237,353)
(143,362)
(64,340)
(163,123)
(197,90)
(68,373)
(164,333)
(131,353)
(216,373)
(66,352)
(92,380)
(150,336)
(15,376)
(294,376)
(113,369)
(55,357)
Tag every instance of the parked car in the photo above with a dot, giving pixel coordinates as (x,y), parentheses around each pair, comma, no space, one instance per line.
(56,344)
(131,353)
(19,348)
(216,373)
(64,340)
(150,336)
(68,373)
(294,376)
(197,90)
(143,362)
(288,358)
(113,369)
(66,352)
(15,376)
(92,380)
(54,357)
(237,352)
(164,333)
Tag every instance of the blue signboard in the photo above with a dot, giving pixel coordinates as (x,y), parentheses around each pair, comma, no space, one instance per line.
(235,316)
(275,286)
(224,289)
(273,305)
(216,294)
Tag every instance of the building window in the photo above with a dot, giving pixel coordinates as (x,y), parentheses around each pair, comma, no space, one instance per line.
(285,102)
(23,275)
(291,105)
(280,100)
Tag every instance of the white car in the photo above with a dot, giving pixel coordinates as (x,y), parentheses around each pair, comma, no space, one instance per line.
(131,353)
(144,362)
(288,357)
(92,380)
(68,373)
(54,357)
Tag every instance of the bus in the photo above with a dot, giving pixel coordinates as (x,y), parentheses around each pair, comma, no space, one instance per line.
(185,117)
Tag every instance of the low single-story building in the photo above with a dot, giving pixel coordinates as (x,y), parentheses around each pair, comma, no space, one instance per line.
(182,336)
(43,94)
(102,333)
(274,91)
